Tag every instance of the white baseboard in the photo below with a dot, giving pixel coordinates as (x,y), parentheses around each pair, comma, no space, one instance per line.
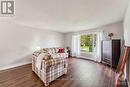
(14,65)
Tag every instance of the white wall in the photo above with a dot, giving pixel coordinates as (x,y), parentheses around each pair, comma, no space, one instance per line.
(116,28)
(18,42)
(127,27)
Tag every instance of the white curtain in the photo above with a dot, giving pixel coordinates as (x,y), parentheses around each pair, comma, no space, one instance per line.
(76,45)
(99,41)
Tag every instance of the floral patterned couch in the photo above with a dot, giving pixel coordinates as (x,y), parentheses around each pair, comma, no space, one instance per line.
(49,63)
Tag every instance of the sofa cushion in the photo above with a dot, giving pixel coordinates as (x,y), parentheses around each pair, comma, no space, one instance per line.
(57,55)
(56,49)
(66,50)
(53,50)
(49,51)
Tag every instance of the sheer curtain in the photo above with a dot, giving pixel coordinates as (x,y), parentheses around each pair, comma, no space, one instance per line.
(76,45)
(99,41)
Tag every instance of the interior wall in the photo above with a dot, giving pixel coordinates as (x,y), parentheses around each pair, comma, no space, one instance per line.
(18,42)
(127,37)
(127,27)
(116,28)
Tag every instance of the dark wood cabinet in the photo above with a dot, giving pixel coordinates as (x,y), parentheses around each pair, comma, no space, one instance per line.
(111,52)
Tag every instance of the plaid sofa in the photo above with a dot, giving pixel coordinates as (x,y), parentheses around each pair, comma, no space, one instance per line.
(51,67)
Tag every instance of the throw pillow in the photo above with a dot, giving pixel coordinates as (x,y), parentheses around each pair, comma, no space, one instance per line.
(61,50)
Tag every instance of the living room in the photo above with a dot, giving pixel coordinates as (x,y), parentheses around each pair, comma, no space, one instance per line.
(64,43)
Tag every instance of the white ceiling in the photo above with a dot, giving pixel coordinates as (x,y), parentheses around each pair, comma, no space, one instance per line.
(69,15)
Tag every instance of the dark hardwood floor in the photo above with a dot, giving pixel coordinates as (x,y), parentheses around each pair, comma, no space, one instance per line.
(81,73)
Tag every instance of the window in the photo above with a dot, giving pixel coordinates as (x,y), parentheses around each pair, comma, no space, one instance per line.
(88,43)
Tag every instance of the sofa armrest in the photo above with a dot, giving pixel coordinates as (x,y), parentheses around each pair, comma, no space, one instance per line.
(36,54)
